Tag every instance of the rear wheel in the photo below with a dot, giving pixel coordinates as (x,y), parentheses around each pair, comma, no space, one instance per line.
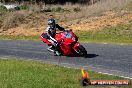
(82,51)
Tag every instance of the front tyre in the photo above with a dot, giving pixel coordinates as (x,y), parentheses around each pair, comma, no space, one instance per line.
(82,51)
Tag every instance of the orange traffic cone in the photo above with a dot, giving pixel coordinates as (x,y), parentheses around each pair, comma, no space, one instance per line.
(85,78)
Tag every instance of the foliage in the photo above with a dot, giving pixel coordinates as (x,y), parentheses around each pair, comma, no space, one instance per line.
(24,7)
(76,9)
(55,9)
(58,9)
(3,9)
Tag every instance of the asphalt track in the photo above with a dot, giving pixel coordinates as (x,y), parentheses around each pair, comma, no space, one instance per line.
(107,58)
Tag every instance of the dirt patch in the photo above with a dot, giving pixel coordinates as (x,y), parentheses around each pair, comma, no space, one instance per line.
(91,23)
(96,23)
(22,31)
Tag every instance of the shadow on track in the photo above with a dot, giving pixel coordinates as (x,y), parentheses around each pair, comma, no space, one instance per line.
(87,56)
(91,55)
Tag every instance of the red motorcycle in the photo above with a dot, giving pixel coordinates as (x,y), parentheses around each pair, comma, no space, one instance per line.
(68,44)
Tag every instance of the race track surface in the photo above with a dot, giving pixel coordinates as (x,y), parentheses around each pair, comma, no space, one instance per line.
(106,58)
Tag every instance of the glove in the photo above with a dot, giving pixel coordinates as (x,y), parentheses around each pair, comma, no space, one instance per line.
(55,42)
(66,30)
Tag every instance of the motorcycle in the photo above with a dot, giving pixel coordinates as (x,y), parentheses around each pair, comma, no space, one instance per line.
(68,44)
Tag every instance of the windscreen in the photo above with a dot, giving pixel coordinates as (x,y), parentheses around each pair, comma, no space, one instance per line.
(68,35)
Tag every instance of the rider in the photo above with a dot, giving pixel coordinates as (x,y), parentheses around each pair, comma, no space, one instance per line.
(51,31)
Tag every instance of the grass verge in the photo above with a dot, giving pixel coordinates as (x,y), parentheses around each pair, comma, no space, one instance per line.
(16,73)
(11,37)
(121,33)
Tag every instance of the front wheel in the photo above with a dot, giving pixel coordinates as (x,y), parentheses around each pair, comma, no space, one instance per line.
(82,51)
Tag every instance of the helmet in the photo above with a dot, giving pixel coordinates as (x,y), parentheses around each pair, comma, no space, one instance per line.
(51,22)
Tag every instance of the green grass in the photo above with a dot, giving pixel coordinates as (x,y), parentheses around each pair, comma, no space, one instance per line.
(11,37)
(20,73)
(121,33)
(16,73)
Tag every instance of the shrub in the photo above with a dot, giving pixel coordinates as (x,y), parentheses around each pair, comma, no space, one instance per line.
(3,9)
(55,9)
(58,9)
(47,10)
(76,9)
(24,7)
(17,8)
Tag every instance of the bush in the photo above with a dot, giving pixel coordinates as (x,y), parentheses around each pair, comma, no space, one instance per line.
(77,9)
(17,8)
(58,9)
(47,10)
(55,9)
(3,9)
(24,7)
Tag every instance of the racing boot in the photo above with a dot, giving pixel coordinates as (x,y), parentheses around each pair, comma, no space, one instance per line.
(51,48)
(57,53)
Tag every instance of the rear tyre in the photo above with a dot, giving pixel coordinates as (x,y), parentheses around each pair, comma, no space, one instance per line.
(82,51)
